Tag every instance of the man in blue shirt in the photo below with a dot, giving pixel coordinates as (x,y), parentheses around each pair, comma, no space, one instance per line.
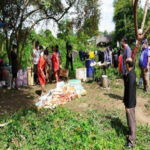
(126,55)
(144,62)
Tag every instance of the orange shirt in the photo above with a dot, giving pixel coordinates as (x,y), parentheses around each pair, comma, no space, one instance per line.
(55,62)
(41,64)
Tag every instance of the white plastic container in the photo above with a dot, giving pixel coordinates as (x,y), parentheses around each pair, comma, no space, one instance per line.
(81,74)
(104,81)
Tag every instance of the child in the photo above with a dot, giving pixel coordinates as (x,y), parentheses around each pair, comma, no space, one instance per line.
(41,68)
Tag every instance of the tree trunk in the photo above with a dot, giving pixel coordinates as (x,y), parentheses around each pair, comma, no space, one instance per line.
(145,14)
(2,49)
(7,46)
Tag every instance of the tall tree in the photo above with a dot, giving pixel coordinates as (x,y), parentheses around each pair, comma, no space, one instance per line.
(22,15)
(89,11)
(123,19)
(65,28)
(139,36)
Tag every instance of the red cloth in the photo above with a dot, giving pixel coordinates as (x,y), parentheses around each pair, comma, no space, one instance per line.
(120,64)
(132,54)
(40,68)
(55,62)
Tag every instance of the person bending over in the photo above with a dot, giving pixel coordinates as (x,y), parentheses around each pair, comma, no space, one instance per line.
(41,68)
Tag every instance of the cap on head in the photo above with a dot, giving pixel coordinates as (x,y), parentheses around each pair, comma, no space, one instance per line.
(144,42)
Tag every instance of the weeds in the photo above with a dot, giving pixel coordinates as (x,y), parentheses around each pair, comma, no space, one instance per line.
(63,129)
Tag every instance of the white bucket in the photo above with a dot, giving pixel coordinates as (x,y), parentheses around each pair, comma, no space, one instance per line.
(81,74)
(104,81)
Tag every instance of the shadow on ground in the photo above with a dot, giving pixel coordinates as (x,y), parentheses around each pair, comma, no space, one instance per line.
(114,96)
(118,126)
(13,100)
(38,92)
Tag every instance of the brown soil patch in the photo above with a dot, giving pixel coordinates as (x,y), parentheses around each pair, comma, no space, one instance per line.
(96,99)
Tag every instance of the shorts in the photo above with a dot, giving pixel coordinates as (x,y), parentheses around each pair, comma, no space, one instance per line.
(41,79)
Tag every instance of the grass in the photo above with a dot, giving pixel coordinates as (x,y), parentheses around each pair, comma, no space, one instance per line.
(62,129)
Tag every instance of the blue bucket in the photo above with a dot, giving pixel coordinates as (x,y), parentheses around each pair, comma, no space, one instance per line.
(88,62)
(90,72)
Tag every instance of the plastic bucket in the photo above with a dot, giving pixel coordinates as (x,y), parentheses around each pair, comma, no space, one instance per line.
(81,74)
(104,81)
(90,72)
(88,63)
(91,55)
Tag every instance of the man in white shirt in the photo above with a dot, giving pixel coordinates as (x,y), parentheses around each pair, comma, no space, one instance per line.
(36,55)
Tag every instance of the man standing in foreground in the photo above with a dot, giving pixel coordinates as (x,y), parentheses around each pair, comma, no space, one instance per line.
(144,63)
(130,102)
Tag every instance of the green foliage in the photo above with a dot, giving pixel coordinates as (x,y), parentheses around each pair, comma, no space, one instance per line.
(98,73)
(62,129)
(46,39)
(90,12)
(124,20)
(112,73)
(65,28)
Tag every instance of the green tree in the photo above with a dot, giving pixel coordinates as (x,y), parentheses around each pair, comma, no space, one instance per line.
(65,28)
(123,18)
(22,15)
(89,11)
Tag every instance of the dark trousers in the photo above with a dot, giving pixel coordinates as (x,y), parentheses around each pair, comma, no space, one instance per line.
(35,74)
(131,121)
(69,61)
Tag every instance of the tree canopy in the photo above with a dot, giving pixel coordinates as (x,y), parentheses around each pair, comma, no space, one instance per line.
(22,15)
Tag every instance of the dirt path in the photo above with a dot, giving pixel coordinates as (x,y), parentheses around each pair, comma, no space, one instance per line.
(107,101)
(96,99)
(141,115)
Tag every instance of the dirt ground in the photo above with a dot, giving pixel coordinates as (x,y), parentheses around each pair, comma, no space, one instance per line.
(98,99)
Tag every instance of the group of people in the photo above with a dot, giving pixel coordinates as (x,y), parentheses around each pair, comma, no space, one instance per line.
(45,64)
(129,77)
